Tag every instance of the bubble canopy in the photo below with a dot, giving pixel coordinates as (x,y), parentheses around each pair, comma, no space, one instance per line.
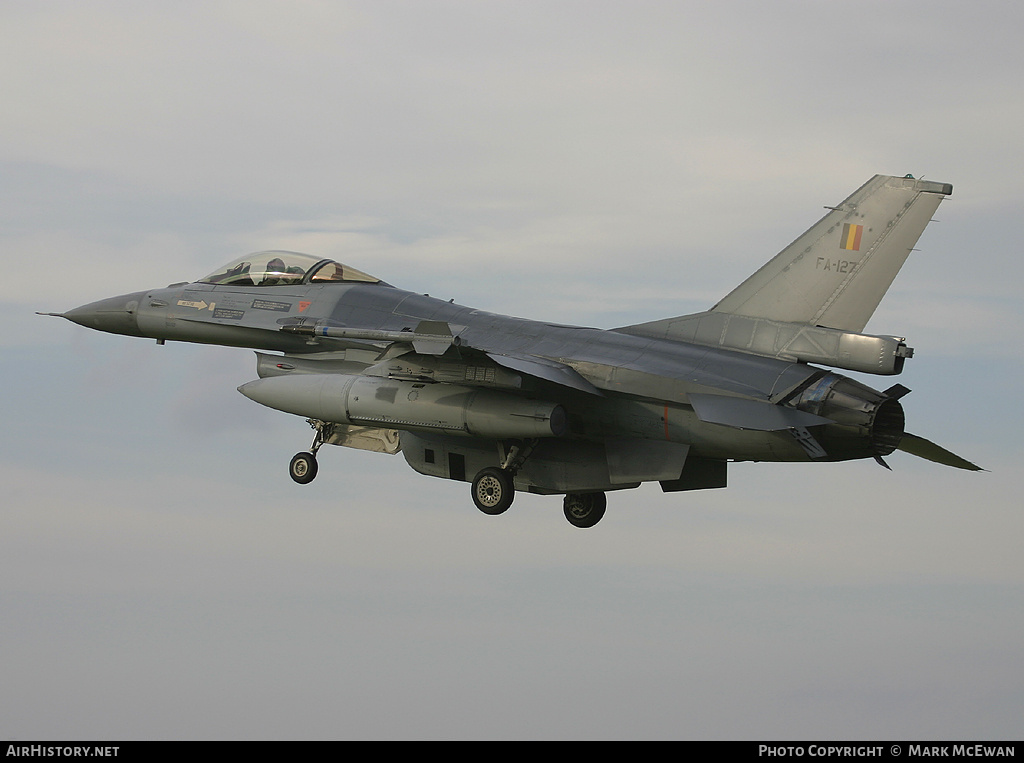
(280,268)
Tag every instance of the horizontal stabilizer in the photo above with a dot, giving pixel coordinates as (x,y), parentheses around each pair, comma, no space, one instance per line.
(742,413)
(922,448)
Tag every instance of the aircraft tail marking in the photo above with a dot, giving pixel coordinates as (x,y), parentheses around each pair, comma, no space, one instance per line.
(837,272)
(851,237)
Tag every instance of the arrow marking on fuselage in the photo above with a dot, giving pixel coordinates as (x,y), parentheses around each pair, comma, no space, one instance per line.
(196,305)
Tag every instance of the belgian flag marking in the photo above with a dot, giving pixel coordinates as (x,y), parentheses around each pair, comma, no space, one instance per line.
(851,237)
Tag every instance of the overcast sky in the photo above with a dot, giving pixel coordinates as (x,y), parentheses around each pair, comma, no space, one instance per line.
(596,163)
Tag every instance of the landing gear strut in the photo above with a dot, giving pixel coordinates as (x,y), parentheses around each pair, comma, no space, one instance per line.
(303,466)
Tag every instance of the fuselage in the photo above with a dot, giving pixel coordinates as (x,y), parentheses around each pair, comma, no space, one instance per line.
(509,404)
(643,385)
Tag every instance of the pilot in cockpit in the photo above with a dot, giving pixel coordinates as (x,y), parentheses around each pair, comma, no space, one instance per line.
(276,273)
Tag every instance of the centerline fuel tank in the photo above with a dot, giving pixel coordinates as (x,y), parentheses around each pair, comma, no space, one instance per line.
(380,402)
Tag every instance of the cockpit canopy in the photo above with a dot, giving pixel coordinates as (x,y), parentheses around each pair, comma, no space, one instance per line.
(278,268)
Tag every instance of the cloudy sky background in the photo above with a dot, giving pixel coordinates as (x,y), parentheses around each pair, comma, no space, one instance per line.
(596,163)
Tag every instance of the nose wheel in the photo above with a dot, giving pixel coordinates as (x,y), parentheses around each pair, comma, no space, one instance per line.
(303,466)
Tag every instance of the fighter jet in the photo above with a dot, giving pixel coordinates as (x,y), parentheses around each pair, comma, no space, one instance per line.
(509,404)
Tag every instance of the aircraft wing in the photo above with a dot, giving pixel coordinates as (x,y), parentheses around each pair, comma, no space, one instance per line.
(548,370)
(429,338)
(436,351)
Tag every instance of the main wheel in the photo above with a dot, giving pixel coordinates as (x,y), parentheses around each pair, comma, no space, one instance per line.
(302,469)
(584,509)
(492,491)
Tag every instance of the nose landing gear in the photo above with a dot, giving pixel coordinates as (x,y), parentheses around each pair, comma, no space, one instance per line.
(303,468)
(303,465)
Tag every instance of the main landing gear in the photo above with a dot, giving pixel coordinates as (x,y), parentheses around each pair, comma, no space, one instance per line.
(492,488)
(584,509)
(303,466)
(493,492)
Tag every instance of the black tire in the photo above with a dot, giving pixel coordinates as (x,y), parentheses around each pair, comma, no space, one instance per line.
(303,467)
(584,509)
(493,491)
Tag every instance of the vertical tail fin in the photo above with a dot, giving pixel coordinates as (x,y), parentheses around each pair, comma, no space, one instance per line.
(837,272)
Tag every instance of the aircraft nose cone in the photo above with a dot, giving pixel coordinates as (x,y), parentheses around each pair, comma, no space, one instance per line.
(116,315)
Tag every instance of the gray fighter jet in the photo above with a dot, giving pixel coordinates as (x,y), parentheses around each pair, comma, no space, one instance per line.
(510,404)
